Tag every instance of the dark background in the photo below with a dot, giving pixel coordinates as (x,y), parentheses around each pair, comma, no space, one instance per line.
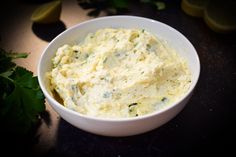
(204,127)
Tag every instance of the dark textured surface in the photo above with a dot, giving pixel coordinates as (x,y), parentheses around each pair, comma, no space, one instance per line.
(204,127)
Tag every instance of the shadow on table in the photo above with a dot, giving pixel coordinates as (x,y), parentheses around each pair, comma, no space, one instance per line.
(182,136)
(74,142)
(13,142)
(48,32)
(168,140)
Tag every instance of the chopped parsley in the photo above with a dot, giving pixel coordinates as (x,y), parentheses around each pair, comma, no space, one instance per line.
(164,99)
(106,94)
(133,104)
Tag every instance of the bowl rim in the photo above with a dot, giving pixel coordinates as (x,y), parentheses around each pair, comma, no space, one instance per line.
(126,119)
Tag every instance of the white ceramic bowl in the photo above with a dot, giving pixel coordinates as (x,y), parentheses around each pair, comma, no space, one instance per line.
(127,126)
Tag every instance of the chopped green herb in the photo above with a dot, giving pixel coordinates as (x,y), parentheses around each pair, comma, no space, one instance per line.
(164,99)
(148,46)
(106,94)
(143,30)
(74,88)
(133,104)
(117,54)
(86,56)
(105,60)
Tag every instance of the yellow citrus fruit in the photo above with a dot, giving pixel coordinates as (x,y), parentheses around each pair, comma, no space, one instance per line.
(47,13)
(220,16)
(194,7)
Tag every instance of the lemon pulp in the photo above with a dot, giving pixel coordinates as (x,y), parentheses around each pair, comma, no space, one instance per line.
(221,16)
(194,7)
(47,13)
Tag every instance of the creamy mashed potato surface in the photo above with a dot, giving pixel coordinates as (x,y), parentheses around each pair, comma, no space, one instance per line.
(117,73)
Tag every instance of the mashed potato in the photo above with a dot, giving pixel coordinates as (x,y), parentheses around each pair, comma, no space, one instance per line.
(116,73)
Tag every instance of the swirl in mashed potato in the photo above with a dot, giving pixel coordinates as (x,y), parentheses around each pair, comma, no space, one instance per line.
(117,73)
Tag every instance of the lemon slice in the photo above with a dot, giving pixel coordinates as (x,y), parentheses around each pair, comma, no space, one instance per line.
(47,13)
(221,16)
(194,7)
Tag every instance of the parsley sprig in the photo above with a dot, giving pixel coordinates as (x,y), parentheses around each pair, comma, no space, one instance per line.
(21,98)
(112,7)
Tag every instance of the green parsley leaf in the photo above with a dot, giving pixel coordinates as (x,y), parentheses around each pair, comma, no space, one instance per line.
(22,99)
(160,5)
(119,3)
(6,59)
(145,1)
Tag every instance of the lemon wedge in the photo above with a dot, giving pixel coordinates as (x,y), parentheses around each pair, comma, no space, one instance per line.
(47,13)
(194,7)
(221,16)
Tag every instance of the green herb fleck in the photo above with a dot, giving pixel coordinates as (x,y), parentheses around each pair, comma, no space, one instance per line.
(74,88)
(148,46)
(106,94)
(133,104)
(86,56)
(164,99)
(105,60)
(118,54)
